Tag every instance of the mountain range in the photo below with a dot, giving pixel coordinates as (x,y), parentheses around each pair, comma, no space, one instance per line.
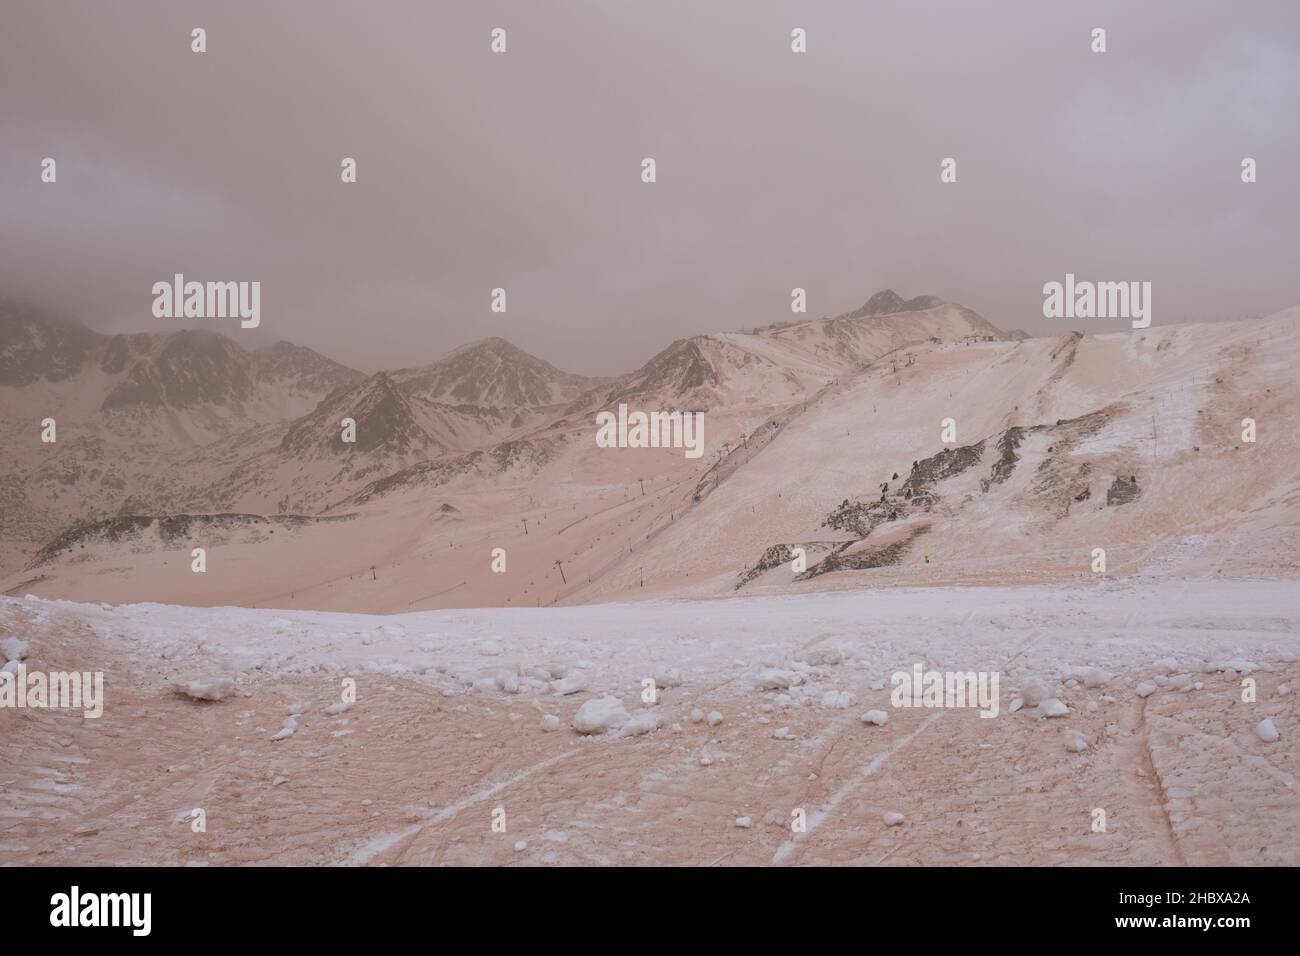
(822,434)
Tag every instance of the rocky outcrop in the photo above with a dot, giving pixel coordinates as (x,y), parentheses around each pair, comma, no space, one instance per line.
(889,302)
(493,373)
(1123,490)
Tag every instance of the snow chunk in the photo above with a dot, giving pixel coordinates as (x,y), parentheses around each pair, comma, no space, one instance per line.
(14,649)
(1052,708)
(1166,665)
(1035,692)
(287,730)
(508,682)
(774,678)
(668,677)
(837,699)
(642,722)
(207,688)
(1075,742)
(1241,667)
(744,823)
(715,718)
(1267,730)
(550,723)
(1146,689)
(1089,676)
(893,818)
(826,655)
(490,648)
(877,717)
(569,685)
(599,715)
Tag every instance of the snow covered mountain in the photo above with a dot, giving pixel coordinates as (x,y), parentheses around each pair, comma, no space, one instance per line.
(822,434)
(492,372)
(782,362)
(201,384)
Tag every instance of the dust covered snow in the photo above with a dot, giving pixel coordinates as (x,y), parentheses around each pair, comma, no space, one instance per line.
(292,720)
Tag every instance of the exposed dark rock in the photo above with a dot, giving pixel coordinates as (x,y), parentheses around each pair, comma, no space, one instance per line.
(775,555)
(946,464)
(1122,490)
(858,517)
(1006,462)
(862,560)
(171,529)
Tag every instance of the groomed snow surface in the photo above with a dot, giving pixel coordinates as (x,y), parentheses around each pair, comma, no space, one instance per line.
(1131,702)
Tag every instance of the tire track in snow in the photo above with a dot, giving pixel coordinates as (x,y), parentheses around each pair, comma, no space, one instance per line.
(875,763)
(850,785)
(388,840)
(1147,759)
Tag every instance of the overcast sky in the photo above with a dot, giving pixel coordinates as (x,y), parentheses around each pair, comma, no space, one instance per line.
(522,170)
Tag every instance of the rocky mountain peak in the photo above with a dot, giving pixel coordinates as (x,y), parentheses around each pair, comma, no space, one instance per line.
(491,372)
(889,302)
(383,416)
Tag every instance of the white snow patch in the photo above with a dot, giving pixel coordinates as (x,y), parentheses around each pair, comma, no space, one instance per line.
(207,688)
(572,684)
(1052,707)
(774,678)
(600,714)
(642,722)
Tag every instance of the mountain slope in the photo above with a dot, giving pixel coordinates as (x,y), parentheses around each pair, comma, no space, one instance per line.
(784,362)
(491,372)
(824,434)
